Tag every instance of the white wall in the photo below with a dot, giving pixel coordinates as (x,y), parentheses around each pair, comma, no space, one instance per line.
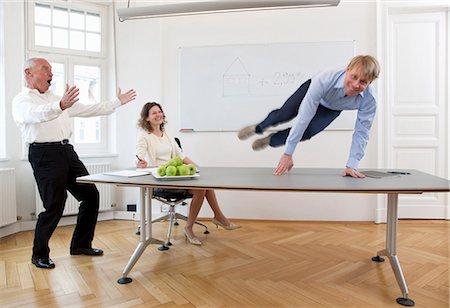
(14,59)
(148,60)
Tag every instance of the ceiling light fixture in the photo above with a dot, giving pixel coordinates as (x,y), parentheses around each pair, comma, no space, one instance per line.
(170,8)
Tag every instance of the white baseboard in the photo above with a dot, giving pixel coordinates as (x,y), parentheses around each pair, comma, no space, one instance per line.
(123,215)
(20,226)
(413,212)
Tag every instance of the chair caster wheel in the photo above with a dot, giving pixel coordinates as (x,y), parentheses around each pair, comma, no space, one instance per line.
(377,259)
(163,247)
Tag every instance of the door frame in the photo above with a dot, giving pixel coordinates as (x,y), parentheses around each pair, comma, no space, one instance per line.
(384,12)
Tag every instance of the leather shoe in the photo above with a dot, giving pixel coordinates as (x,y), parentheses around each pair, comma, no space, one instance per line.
(262,143)
(86,251)
(43,262)
(247,132)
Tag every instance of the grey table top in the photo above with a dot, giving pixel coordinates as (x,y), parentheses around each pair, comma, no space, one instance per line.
(298,179)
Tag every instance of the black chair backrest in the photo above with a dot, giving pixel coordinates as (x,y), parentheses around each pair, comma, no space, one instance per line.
(178,142)
(171,194)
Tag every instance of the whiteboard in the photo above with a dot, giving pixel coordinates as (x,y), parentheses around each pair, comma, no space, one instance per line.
(224,88)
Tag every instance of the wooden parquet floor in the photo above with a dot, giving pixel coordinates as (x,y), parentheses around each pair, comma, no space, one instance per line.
(263,264)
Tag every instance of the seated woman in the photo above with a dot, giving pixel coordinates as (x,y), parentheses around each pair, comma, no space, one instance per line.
(159,146)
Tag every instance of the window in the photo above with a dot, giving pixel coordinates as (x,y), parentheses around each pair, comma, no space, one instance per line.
(63,26)
(72,37)
(87,78)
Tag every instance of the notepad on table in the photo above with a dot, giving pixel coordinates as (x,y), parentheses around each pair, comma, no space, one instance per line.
(127,173)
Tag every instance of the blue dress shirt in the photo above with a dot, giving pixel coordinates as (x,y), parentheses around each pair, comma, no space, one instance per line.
(327,88)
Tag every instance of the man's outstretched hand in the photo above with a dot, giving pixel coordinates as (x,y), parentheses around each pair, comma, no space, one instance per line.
(285,164)
(353,173)
(127,96)
(70,97)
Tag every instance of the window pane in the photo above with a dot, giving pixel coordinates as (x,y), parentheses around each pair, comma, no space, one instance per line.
(87,79)
(77,40)
(42,14)
(60,17)
(77,20)
(93,42)
(75,29)
(42,36)
(58,80)
(60,38)
(93,22)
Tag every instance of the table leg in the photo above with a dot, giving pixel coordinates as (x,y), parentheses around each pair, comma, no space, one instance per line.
(146,233)
(391,248)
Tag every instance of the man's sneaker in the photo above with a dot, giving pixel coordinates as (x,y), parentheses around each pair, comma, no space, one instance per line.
(262,143)
(247,132)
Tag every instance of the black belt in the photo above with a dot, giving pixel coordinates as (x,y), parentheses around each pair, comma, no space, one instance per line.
(62,142)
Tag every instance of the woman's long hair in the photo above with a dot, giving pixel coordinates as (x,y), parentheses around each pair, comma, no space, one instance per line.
(143,123)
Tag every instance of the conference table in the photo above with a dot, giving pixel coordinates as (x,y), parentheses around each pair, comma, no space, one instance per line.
(326,180)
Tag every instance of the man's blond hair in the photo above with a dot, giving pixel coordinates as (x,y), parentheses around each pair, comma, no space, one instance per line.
(368,65)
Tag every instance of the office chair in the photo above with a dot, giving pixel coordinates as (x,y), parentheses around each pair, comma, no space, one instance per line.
(172,198)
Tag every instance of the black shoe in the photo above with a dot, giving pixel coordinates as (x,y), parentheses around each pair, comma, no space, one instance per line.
(86,251)
(43,262)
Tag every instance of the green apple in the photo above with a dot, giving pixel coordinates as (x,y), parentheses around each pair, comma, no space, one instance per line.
(162,170)
(171,162)
(192,169)
(183,170)
(178,160)
(171,171)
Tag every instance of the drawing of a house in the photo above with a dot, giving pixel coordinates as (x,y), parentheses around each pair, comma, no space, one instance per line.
(236,79)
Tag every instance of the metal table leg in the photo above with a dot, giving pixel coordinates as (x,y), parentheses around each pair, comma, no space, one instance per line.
(146,233)
(391,248)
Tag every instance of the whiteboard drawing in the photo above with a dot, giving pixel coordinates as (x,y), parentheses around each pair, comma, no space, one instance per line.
(236,79)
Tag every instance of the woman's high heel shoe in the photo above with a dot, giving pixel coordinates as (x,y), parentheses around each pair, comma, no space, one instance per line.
(193,240)
(231,226)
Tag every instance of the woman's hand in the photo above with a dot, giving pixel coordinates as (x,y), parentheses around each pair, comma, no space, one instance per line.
(141,163)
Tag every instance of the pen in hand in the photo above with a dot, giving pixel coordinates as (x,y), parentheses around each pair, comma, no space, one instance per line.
(141,163)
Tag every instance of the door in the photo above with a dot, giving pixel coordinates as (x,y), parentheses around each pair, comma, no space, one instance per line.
(415,112)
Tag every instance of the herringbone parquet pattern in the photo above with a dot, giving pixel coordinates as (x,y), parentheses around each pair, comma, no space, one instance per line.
(264,264)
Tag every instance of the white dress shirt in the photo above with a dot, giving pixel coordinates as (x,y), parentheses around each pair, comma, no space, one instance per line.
(40,118)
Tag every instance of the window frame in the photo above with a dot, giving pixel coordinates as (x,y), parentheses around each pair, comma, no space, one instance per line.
(70,5)
(69,58)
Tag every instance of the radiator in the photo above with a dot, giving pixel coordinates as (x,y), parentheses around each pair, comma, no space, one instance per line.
(72,204)
(8,206)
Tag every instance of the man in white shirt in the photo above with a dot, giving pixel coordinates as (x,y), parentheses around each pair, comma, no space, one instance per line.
(44,120)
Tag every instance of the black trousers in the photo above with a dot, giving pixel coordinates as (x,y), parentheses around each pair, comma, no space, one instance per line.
(55,169)
(323,117)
